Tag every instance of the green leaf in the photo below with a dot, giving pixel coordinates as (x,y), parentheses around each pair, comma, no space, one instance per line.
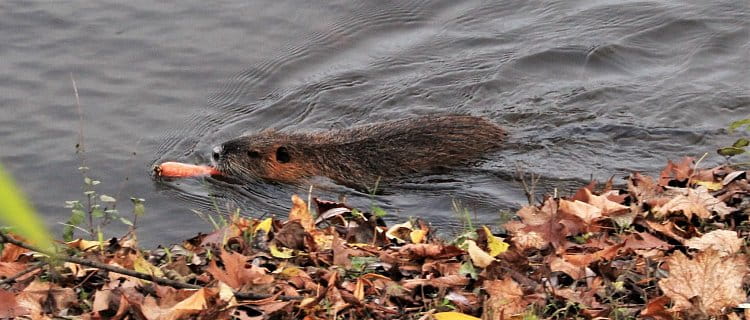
(467,268)
(741,143)
(15,211)
(97,213)
(739,123)
(76,217)
(106,198)
(378,212)
(730,151)
(138,208)
(126,221)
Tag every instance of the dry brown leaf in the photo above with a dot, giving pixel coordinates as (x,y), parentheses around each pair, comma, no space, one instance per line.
(708,283)
(644,241)
(506,298)
(191,305)
(9,308)
(679,172)
(588,213)
(421,250)
(574,271)
(657,309)
(39,295)
(696,201)
(101,300)
(724,241)
(11,252)
(300,213)
(542,226)
(235,274)
(440,282)
(8,269)
(607,207)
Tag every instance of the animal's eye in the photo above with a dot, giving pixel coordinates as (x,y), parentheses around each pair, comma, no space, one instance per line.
(253,154)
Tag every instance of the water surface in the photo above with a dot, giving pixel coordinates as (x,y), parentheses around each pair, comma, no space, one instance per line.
(587,89)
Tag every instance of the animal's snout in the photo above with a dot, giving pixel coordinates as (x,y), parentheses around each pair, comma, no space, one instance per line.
(216,154)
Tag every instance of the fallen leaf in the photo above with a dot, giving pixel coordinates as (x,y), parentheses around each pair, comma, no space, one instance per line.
(479,257)
(11,252)
(680,172)
(606,206)
(496,245)
(452,315)
(694,202)
(657,309)
(281,253)
(421,250)
(9,308)
(193,304)
(506,299)
(235,274)
(439,282)
(299,212)
(588,213)
(708,283)
(725,242)
(574,271)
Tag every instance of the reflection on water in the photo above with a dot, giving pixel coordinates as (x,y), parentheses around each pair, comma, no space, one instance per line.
(586,88)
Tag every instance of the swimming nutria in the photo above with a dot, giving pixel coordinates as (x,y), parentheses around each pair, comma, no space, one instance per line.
(362,155)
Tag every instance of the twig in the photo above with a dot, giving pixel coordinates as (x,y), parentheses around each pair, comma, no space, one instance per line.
(530,191)
(79,147)
(23,272)
(136,274)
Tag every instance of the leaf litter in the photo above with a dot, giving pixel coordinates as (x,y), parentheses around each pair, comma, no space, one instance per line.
(669,247)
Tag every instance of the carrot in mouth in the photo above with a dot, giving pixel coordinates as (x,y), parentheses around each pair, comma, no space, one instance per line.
(184,170)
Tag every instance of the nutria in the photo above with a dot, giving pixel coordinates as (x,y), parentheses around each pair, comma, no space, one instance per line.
(362,155)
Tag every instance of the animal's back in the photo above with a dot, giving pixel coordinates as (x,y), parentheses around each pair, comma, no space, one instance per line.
(407,146)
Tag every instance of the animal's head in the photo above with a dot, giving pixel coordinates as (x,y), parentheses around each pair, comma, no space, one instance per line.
(267,155)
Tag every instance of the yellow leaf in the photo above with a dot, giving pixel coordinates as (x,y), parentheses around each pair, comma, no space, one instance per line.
(283,253)
(418,236)
(495,244)
(84,245)
(289,272)
(141,265)
(452,315)
(478,256)
(264,225)
(397,231)
(710,185)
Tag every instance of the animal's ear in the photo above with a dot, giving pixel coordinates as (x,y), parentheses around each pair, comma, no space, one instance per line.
(282,155)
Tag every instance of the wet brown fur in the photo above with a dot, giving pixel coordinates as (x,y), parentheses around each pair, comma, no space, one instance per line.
(362,155)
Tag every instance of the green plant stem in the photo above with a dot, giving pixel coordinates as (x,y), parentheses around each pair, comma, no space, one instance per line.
(139,275)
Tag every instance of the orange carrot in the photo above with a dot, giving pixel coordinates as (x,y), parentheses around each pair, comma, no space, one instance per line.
(184,170)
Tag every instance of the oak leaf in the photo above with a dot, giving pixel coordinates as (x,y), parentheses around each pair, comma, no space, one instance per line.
(707,284)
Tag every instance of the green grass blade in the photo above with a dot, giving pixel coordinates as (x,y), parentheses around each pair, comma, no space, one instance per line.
(16,212)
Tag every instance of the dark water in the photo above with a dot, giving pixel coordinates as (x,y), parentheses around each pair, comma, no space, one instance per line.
(586,89)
